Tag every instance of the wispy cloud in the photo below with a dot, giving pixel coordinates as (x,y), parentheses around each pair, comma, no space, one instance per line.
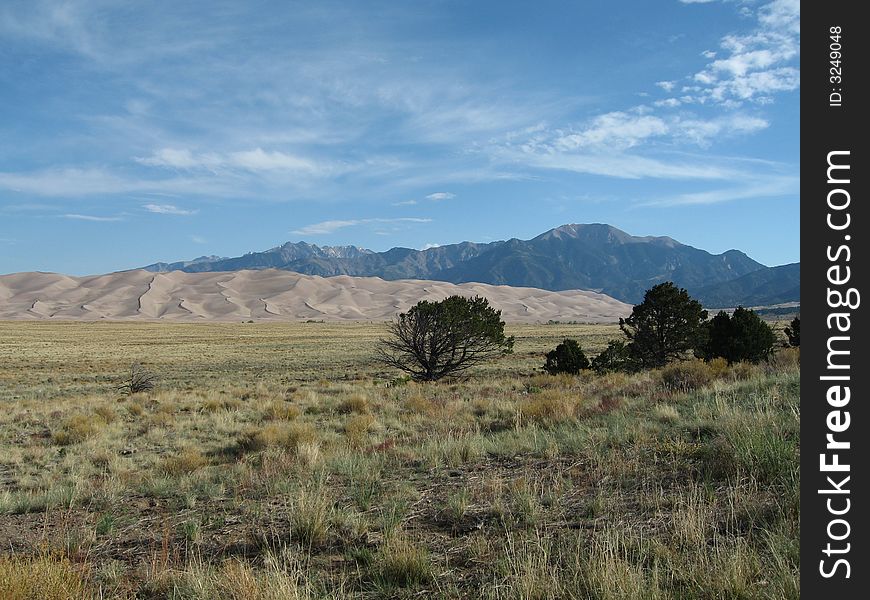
(77,182)
(438,196)
(772,187)
(167,209)
(603,145)
(405,203)
(628,166)
(78,217)
(327,227)
(254,160)
(196,239)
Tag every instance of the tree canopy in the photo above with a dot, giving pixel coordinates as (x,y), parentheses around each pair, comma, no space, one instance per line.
(793,332)
(743,336)
(665,326)
(438,339)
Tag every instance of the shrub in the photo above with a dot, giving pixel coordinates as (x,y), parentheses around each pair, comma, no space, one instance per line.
(402,564)
(439,339)
(311,518)
(281,411)
(106,413)
(139,380)
(568,357)
(793,332)
(186,461)
(43,577)
(616,357)
(548,407)
(421,405)
(358,403)
(666,325)
(358,427)
(283,435)
(718,367)
(78,428)
(743,336)
(686,376)
(785,359)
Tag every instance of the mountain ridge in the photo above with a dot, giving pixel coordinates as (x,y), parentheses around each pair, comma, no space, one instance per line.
(593,256)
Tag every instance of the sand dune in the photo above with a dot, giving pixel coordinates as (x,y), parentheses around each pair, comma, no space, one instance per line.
(272,295)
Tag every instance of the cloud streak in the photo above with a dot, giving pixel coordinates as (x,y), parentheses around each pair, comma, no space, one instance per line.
(438,196)
(167,209)
(77,217)
(328,227)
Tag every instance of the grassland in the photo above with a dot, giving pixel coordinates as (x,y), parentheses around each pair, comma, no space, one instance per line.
(280,461)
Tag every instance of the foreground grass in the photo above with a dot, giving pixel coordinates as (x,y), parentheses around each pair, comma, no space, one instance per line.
(279,461)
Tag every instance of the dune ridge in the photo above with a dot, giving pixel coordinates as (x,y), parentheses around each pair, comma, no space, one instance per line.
(273,295)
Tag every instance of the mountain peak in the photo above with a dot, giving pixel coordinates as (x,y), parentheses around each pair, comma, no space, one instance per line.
(591,256)
(602,233)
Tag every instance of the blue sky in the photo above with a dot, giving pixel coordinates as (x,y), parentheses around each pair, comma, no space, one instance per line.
(133,132)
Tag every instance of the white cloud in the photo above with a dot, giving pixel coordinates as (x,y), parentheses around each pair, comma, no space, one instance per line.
(441,196)
(755,65)
(198,239)
(702,131)
(772,187)
(614,133)
(91,218)
(697,1)
(758,85)
(167,209)
(626,166)
(782,14)
(259,160)
(255,160)
(666,85)
(405,203)
(430,245)
(74,182)
(327,227)
(613,130)
(180,158)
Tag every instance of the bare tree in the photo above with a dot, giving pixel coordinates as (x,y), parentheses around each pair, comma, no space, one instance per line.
(438,339)
(140,380)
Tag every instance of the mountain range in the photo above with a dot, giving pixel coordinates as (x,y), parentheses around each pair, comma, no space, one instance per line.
(595,257)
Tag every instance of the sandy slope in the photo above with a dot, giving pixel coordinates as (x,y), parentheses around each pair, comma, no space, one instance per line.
(272,295)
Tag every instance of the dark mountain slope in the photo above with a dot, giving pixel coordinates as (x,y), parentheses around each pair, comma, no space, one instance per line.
(593,256)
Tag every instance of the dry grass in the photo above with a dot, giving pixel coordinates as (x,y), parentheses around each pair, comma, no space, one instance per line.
(279,461)
(42,577)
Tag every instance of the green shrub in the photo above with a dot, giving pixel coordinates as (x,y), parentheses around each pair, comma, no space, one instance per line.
(793,332)
(568,357)
(743,336)
(616,357)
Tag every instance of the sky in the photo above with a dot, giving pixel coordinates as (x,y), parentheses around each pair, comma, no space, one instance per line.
(143,131)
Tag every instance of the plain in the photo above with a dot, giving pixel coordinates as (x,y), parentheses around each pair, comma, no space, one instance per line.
(282,461)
